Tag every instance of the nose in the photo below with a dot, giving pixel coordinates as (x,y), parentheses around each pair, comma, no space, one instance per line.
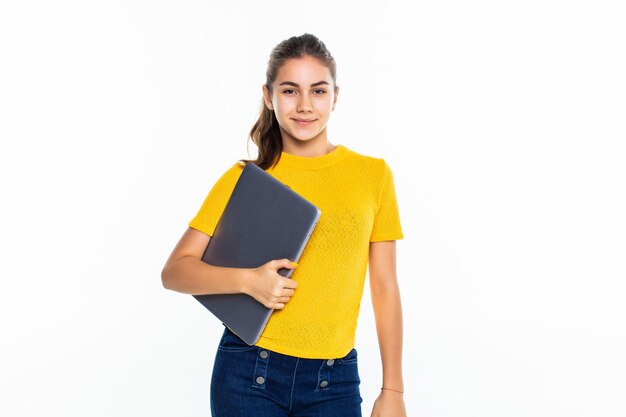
(304,104)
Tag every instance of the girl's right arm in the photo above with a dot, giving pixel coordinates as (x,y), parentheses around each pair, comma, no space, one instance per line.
(185,272)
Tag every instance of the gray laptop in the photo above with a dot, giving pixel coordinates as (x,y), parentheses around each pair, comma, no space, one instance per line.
(264,219)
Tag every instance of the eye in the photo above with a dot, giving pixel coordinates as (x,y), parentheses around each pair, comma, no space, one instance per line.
(321,91)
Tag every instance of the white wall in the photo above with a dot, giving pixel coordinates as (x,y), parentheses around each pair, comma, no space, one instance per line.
(504,126)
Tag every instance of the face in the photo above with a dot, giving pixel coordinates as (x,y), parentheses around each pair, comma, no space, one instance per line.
(303,90)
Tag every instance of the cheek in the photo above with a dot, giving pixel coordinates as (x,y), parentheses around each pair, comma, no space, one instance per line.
(328,103)
(326,107)
(283,106)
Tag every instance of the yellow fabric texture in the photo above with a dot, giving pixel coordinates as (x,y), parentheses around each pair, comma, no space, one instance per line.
(357,199)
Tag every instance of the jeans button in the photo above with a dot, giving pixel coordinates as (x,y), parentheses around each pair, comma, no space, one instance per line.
(324,384)
(263,354)
(330,362)
(260,380)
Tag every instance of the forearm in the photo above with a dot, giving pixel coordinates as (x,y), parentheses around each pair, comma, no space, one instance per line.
(388,312)
(191,275)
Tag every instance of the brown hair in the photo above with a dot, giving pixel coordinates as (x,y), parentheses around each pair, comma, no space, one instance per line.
(265,133)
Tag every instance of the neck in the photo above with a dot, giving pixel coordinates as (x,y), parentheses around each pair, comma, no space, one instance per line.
(308,148)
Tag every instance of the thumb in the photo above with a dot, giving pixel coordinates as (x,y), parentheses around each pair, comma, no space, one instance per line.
(286,263)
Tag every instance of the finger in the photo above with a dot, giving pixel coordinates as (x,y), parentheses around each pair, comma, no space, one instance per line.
(281,298)
(284,263)
(289,283)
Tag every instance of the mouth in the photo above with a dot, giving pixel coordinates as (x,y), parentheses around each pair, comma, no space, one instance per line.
(304,122)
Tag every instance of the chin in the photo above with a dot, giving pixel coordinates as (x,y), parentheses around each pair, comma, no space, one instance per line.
(301,138)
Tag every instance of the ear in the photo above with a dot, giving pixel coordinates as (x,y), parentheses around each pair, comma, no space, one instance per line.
(335,99)
(266,97)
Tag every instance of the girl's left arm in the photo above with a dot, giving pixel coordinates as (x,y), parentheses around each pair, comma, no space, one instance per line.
(388,312)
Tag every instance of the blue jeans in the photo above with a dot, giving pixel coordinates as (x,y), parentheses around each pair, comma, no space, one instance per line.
(253,381)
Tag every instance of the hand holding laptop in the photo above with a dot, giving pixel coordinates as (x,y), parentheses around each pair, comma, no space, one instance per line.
(268,287)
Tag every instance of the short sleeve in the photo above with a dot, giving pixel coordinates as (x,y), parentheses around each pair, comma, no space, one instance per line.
(387,219)
(213,206)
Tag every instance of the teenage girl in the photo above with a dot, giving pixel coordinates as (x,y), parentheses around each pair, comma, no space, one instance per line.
(305,363)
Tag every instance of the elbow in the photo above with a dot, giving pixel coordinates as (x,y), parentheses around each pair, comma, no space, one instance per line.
(385,290)
(384,287)
(170,273)
(165,278)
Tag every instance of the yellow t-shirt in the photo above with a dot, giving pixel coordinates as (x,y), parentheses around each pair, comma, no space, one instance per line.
(357,198)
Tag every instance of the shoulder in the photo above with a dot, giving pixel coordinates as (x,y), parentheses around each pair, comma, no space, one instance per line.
(235,169)
(228,176)
(377,167)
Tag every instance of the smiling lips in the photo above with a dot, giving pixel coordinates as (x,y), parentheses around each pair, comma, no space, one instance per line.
(304,122)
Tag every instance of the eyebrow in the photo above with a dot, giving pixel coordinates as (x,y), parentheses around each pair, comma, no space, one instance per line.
(296,85)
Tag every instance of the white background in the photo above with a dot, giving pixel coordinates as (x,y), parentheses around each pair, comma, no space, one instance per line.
(504,125)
